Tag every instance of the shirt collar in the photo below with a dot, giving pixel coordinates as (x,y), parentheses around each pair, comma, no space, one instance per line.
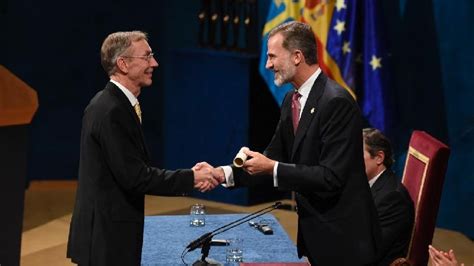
(308,84)
(372,181)
(133,100)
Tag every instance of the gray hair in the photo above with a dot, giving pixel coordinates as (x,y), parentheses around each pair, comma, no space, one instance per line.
(298,36)
(115,45)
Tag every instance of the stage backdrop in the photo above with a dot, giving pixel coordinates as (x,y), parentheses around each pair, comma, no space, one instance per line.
(54,47)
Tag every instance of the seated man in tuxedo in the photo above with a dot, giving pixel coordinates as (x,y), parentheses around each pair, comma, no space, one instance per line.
(394,205)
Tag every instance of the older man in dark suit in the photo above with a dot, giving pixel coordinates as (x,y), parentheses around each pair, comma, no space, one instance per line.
(394,206)
(316,151)
(114,168)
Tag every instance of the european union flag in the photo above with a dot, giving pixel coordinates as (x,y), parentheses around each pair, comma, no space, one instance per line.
(350,50)
(355,43)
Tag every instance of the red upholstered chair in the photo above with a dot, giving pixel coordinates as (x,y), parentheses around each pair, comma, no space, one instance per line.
(425,168)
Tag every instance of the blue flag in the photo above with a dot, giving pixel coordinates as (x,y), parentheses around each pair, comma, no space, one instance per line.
(279,13)
(351,50)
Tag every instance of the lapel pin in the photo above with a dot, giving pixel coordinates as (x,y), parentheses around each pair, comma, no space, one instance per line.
(312,110)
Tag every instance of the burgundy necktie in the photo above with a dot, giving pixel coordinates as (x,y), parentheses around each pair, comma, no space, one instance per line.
(295,110)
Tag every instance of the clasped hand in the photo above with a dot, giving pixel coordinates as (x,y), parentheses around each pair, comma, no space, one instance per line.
(442,258)
(206,177)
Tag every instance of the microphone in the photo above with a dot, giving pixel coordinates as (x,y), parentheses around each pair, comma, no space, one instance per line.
(198,242)
(220,242)
(206,238)
(214,242)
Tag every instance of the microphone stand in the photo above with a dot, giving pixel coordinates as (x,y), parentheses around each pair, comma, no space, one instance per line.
(206,247)
(204,241)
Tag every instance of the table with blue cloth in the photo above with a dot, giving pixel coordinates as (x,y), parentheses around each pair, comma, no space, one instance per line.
(165,238)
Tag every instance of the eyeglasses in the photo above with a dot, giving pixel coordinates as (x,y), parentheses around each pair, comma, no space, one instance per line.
(144,57)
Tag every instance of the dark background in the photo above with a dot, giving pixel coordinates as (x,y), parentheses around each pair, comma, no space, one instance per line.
(54,47)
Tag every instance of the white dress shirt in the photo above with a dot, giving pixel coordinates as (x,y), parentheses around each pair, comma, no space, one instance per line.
(133,100)
(372,181)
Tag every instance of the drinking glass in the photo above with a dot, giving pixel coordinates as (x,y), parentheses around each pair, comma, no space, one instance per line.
(234,252)
(197,215)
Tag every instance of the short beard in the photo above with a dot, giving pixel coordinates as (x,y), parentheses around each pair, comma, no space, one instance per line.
(285,74)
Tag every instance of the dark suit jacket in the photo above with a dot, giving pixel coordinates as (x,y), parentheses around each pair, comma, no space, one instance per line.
(323,163)
(396,215)
(114,175)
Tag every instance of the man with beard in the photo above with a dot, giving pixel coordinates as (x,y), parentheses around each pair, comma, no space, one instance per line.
(114,167)
(316,151)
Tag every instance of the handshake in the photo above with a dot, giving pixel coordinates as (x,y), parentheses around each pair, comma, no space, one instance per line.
(206,177)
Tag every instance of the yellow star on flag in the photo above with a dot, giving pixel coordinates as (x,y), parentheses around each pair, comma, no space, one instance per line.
(340,26)
(376,62)
(340,4)
(346,48)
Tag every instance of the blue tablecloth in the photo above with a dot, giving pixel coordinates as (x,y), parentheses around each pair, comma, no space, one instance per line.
(165,238)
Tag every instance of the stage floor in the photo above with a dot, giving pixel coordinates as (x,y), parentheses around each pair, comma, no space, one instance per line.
(48,207)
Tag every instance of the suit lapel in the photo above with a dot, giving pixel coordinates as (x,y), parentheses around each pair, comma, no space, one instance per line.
(379,184)
(123,100)
(309,111)
(114,90)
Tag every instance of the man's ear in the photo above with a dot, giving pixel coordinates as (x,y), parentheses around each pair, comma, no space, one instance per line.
(297,57)
(380,157)
(122,65)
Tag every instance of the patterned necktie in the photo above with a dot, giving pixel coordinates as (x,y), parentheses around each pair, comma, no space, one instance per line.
(138,111)
(295,110)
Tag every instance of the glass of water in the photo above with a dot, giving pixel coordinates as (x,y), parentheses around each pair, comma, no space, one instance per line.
(197,215)
(234,250)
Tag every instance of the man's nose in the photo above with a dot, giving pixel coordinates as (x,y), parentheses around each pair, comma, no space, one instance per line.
(269,64)
(154,62)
